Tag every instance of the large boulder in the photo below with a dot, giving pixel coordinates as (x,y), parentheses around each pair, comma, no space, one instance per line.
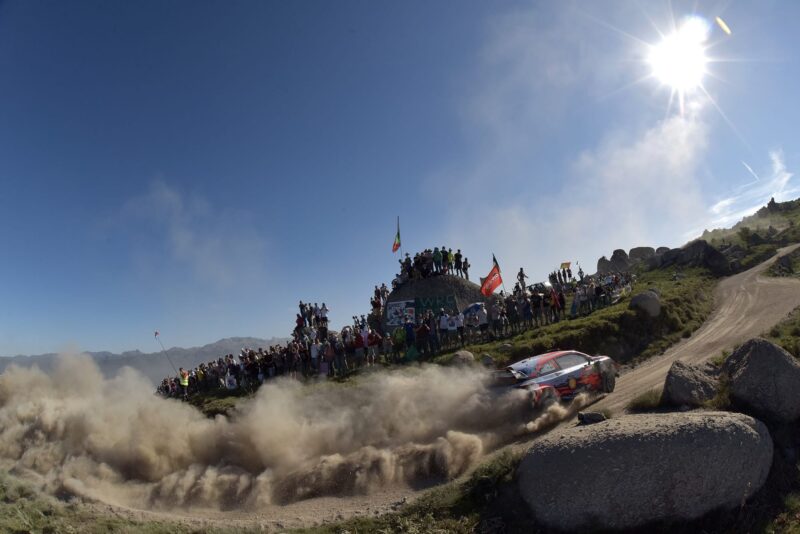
(661,250)
(619,260)
(647,301)
(604,266)
(699,253)
(687,385)
(764,379)
(629,471)
(638,254)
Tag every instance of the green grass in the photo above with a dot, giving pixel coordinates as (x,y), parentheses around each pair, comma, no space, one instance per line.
(787,333)
(648,401)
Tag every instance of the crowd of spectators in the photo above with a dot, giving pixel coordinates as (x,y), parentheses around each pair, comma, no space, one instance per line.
(316,351)
(428,263)
(313,351)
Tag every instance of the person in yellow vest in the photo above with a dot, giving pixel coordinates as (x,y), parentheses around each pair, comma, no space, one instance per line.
(184,378)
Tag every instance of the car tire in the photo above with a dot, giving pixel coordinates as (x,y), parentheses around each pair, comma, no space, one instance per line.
(548,398)
(609,382)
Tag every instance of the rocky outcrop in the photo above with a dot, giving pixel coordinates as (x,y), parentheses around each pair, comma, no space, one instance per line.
(687,385)
(434,293)
(638,254)
(662,250)
(698,253)
(619,262)
(764,380)
(648,301)
(604,266)
(636,469)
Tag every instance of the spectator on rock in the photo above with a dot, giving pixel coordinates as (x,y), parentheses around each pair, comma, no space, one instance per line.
(459,264)
(437,260)
(465,268)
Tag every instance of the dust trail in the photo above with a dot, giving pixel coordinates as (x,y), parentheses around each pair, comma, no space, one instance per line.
(113,440)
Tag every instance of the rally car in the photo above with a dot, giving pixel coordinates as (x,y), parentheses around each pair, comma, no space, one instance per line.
(560,375)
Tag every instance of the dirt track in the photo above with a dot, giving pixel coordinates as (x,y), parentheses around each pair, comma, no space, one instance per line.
(746,305)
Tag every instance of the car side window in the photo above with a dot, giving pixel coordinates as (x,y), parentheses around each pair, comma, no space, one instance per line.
(571,360)
(547,368)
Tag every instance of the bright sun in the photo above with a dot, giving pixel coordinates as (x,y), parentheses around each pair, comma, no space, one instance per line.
(679,60)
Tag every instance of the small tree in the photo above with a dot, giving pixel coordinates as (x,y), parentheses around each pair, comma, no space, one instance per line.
(745,234)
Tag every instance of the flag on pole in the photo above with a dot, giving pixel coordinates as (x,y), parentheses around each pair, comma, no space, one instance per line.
(493,280)
(565,265)
(396,244)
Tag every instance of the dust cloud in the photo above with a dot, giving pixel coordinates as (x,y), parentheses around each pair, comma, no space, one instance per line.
(114,440)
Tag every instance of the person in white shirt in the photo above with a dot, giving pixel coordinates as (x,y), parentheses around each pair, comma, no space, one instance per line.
(315,348)
(483,321)
(460,327)
(444,321)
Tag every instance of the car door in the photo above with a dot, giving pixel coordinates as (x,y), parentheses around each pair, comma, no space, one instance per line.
(579,374)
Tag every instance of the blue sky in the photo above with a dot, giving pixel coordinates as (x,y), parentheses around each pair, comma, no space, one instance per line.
(199,167)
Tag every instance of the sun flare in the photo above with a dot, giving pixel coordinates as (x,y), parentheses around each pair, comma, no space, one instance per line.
(679,60)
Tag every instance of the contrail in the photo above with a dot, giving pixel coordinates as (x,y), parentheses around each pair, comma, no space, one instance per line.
(751,171)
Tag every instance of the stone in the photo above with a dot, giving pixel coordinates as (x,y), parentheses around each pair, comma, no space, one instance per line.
(764,380)
(630,471)
(463,357)
(687,385)
(590,418)
(647,301)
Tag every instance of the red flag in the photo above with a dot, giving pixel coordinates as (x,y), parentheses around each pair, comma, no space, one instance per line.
(492,281)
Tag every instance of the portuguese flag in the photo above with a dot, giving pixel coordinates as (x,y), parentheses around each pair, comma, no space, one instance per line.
(396,244)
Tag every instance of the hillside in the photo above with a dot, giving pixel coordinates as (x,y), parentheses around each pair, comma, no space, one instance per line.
(153,365)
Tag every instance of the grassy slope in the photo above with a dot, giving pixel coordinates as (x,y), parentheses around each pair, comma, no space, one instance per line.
(624,334)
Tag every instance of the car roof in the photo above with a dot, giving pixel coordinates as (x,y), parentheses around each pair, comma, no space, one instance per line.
(531,363)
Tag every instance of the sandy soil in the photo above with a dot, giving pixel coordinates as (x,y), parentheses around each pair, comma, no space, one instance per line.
(746,305)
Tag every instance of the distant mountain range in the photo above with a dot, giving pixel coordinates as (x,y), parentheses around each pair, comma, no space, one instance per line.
(154,365)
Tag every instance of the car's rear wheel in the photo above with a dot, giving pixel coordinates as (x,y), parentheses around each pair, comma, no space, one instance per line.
(548,398)
(609,382)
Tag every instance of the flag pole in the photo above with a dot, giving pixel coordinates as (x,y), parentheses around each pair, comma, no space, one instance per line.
(164,352)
